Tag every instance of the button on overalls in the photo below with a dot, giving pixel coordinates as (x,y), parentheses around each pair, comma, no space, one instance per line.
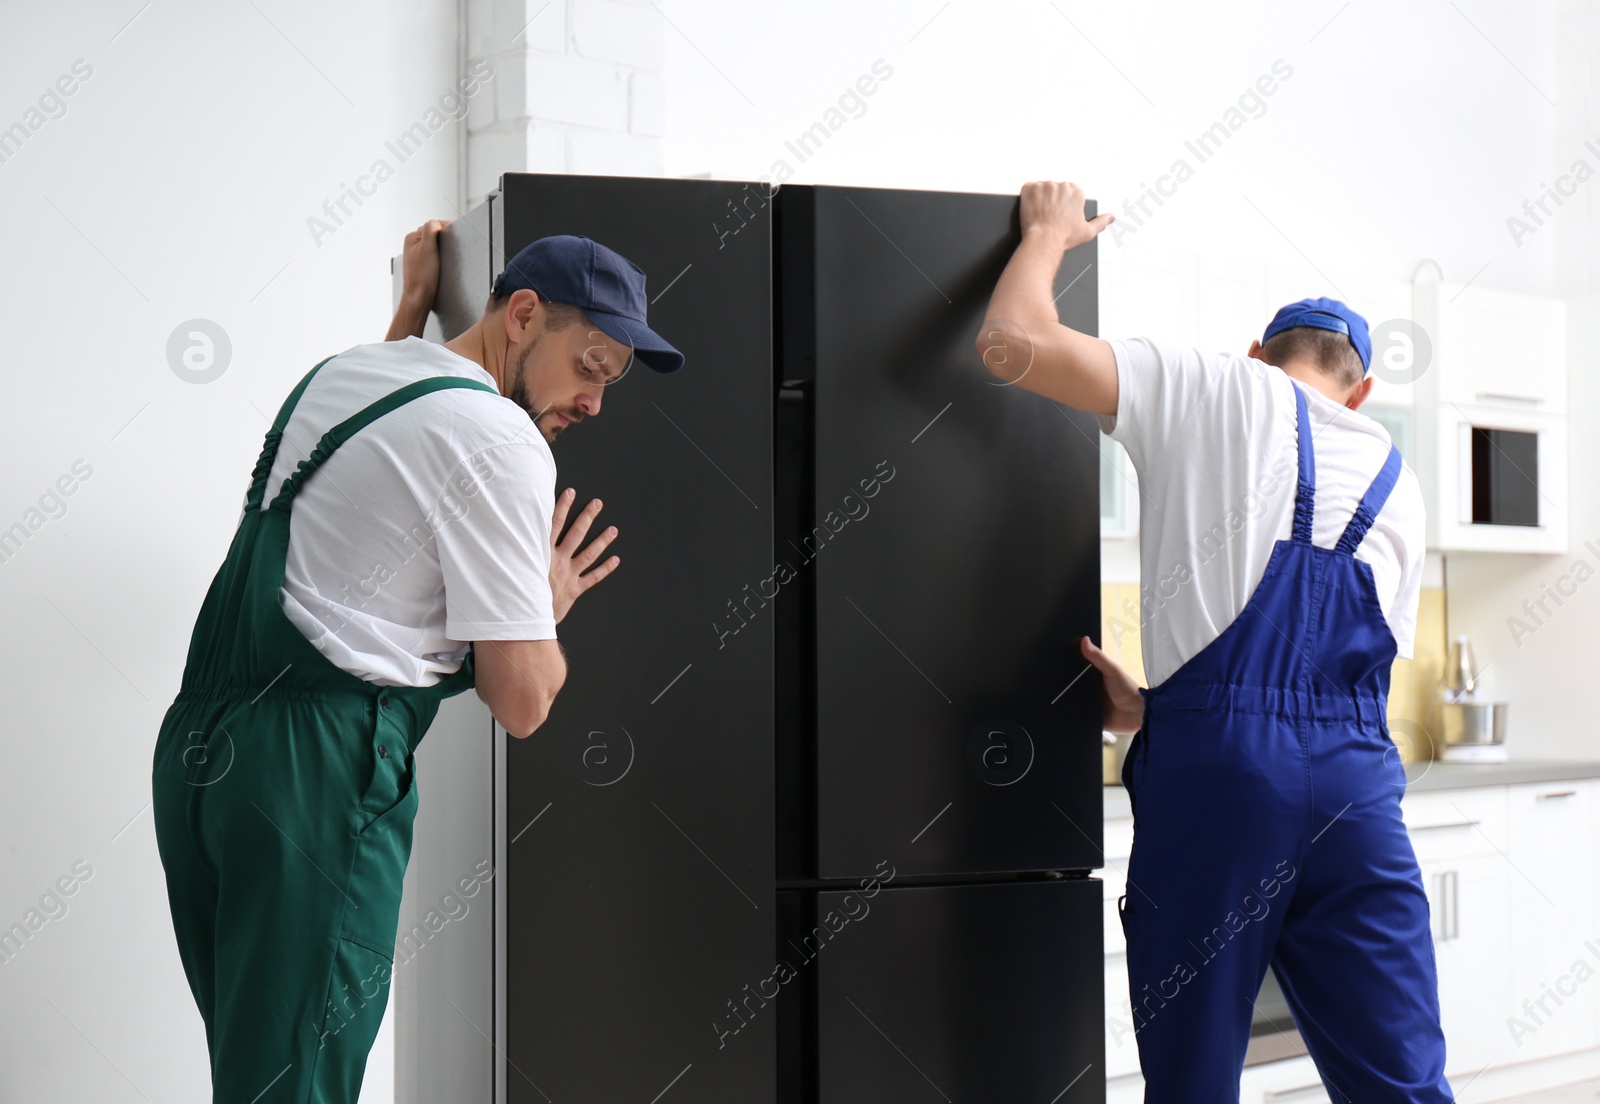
(284,794)
(1267,830)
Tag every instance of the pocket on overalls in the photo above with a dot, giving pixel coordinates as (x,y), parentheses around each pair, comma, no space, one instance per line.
(377,874)
(389,768)
(393,788)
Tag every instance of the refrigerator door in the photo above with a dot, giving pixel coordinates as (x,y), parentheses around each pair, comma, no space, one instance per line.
(639,874)
(952,545)
(979,992)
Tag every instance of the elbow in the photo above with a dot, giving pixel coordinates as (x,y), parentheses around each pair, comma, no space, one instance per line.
(522,715)
(534,708)
(519,682)
(1005,349)
(531,717)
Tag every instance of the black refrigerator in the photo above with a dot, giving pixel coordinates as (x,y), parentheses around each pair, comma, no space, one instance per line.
(815,815)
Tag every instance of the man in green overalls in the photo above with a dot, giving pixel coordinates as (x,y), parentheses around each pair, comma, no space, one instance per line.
(284,785)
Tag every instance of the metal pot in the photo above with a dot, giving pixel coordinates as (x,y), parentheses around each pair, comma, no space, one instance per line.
(1470,723)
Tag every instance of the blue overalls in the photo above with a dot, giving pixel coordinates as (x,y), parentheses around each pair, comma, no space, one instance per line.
(1266,795)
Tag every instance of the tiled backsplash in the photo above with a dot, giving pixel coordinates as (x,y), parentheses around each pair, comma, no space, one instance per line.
(1414,682)
(1411,686)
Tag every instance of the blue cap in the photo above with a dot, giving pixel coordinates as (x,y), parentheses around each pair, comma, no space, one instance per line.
(1325,314)
(607,286)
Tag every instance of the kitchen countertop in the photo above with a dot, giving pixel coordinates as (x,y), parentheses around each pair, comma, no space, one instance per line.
(1439,775)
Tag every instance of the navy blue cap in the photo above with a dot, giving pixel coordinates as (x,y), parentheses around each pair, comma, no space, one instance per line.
(1325,314)
(608,287)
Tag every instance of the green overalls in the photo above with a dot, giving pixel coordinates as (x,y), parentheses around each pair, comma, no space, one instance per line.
(284,794)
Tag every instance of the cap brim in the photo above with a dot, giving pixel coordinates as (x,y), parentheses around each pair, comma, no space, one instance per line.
(650,347)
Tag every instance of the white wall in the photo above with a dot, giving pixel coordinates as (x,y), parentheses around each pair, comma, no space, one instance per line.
(1404,132)
(177,185)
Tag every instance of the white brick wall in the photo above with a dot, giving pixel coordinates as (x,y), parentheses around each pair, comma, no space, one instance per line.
(613,154)
(645,103)
(572,90)
(577,89)
(622,31)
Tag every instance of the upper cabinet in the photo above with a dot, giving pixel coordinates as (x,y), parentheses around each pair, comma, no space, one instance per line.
(1494,348)
(1490,379)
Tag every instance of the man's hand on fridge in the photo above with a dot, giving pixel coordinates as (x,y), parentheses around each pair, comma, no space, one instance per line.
(1053,209)
(570,558)
(1121,703)
(419,280)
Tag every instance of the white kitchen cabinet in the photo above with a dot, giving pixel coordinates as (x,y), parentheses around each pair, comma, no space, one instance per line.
(1125,1090)
(1468,900)
(1555,975)
(1447,824)
(1294,1081)
(1114,883)
(1122,1048)
(1496,384)
(1497,348)
(1461,839)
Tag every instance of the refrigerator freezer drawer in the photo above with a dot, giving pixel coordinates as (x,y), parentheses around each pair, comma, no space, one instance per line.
(977,992)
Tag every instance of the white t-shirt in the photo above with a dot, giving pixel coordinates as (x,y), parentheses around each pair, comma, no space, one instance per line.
(427,529)
(1213,440)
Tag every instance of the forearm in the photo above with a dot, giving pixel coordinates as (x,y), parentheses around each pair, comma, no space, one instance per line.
(1024,342)
(409,319)
(1023,295)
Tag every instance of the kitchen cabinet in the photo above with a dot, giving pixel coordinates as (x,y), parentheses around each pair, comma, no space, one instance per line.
(1122,1049)
(1496,348)
(1551,896)
(1468,899)
(1295,1081)
(1509,871)
(1292,1081)
(1491,419)
(1460,838)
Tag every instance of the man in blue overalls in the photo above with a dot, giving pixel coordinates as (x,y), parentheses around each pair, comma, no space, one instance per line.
(1281,544)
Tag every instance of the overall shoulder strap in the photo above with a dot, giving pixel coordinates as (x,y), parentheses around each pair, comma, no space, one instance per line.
(1371,502)
(269,448)
(346,429)
(1305,496)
